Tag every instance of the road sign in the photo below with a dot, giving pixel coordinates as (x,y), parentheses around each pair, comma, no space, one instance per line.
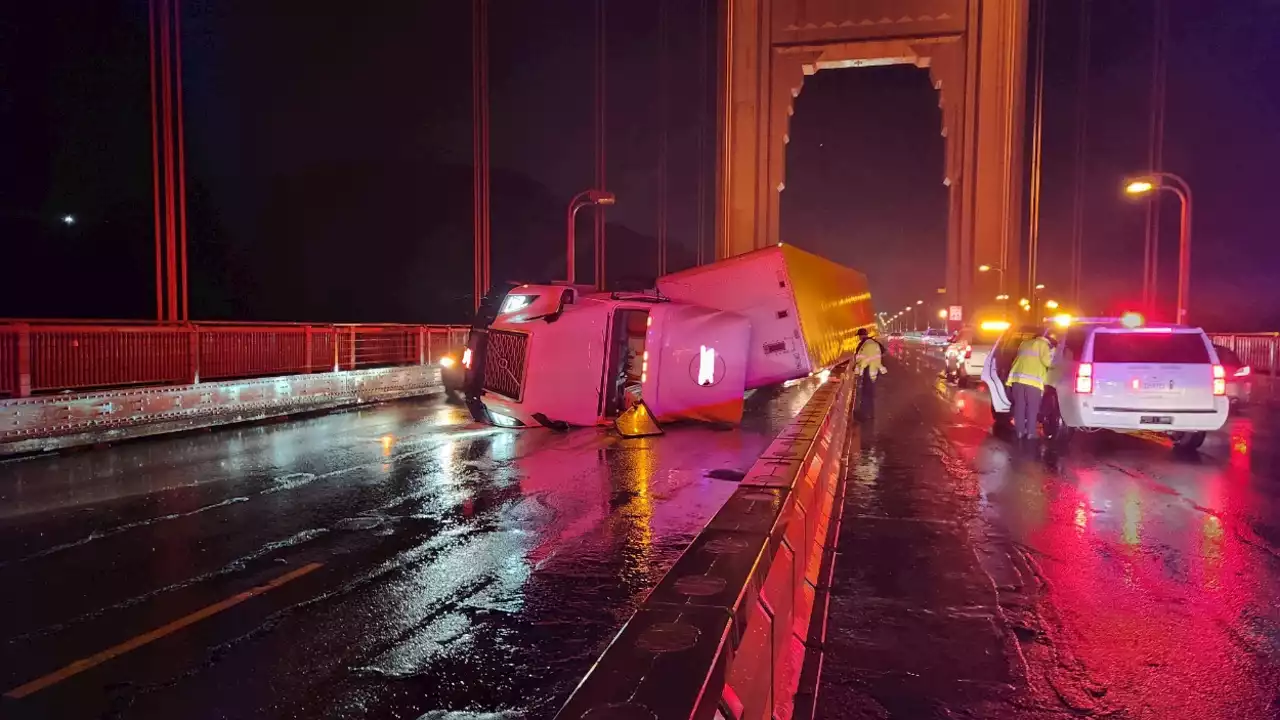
(955,314)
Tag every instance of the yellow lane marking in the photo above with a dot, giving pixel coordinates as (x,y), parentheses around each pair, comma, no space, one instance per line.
(138,641)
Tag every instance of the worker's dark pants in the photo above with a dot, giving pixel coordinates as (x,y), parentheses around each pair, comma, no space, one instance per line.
(865,406)
(1026,409)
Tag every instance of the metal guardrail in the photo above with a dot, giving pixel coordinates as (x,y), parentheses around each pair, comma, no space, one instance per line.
(734,630)
(1257,350)
(40,357)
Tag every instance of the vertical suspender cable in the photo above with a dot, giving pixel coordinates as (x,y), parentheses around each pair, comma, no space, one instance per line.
(704,96)
(601,115)
(486,211)
(155,161)
(182,162)
(1083,62)
(664,112)
(166,95)
(1155,154)
(1036,153)
(476,229)
(480,148)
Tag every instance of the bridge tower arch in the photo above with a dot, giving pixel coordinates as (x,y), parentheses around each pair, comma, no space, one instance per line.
(975,53)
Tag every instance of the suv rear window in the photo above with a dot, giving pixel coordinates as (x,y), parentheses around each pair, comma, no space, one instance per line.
(1153,348)
(1075,340)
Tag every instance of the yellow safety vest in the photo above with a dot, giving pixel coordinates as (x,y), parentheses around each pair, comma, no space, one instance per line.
(867,357)
(1035,357)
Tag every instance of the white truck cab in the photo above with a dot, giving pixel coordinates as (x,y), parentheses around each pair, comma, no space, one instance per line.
(1123,375)
(558,356)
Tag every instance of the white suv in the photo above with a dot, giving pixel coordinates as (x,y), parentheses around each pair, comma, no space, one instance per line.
(1122,375)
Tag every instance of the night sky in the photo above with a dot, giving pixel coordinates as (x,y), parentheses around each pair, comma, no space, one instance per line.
(329,155)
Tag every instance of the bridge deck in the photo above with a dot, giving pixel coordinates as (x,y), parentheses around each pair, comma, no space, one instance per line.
(400,560)
(1115,580)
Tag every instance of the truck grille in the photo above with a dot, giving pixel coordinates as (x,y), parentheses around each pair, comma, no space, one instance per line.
(504,363)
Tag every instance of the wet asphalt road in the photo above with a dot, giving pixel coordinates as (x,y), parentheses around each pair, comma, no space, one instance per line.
(402,563)
(1115,579)
(398,561)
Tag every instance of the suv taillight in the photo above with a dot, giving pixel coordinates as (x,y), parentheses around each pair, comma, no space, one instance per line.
(1219,380)
(1084,378)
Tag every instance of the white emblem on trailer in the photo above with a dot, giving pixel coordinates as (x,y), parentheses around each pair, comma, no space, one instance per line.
(707,366)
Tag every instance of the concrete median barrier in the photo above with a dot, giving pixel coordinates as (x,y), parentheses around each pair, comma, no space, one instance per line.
(52,422)
(734,629)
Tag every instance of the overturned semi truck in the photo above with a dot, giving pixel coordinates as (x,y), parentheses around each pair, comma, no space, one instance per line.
(689,349)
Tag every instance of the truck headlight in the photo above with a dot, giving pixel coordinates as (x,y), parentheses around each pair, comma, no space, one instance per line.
(516,302)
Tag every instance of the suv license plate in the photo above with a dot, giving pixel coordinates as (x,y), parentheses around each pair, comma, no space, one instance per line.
(1155,420)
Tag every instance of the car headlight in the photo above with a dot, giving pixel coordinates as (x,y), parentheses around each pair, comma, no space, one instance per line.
(447,362)
(516,302)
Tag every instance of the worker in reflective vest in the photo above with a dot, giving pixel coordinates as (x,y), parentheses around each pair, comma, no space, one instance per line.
(1026,382)
(867,366)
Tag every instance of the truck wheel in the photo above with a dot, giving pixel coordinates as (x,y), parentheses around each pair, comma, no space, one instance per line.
(1001,422)
(1188,441)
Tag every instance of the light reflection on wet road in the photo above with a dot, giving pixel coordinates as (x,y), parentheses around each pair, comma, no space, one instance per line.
(480,570)
(461,568)
(1116,579)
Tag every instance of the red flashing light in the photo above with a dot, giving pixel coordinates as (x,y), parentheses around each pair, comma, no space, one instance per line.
(1219,380)
(1084,379)
(1132,320)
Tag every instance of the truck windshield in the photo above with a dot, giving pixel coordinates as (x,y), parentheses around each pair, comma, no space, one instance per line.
(1170,348)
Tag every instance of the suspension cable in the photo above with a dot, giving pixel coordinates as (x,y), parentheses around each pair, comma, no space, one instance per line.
(182,162)
(704,92)
(480,146)
(664,113)
(1155,153)
(1083,64)
(600,134)
(155,161)
(1036,153)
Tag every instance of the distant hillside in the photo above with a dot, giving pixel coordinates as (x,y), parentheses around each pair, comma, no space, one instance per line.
(325,246)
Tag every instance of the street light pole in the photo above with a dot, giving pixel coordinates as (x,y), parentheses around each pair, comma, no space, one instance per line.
(1178,186)
(583,199)
(1003,293)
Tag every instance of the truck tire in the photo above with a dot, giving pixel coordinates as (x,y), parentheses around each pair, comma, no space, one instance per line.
(1001,422)
(1188,441)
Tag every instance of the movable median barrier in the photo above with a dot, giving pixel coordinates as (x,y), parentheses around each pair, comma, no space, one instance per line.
(734,629)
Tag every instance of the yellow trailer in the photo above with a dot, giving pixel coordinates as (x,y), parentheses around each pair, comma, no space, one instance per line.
(804,310)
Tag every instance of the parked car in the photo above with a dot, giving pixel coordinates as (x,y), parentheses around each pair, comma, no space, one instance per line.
(964,357)
(453,370)
(1123,375)
(936,337)
(1239,375)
